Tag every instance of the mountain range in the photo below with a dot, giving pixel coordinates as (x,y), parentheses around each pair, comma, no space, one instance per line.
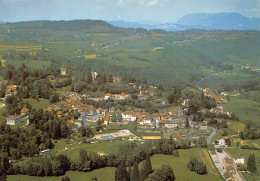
(207,21)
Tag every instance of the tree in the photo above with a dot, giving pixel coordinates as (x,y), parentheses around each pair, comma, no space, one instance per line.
(164,173)
(54,98)
(119,118)
(202,142)
(146,168)
(135,173)
(202,97)
(89,132)
(251,165)
(187,125)
(121,172)
(175,153)
(197,166)
(228,142)
(113,119)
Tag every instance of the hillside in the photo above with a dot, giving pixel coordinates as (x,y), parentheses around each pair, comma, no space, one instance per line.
(167,58)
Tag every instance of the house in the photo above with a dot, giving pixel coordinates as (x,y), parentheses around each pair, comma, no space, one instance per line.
(59,113)
(239,159)
(140,96)
(106,119)
(221,142)
(94,76)
(228,176)
(124,96)
(129,115)
(14,120)
(203,126)
(63,71)
(107,96)
(148,120)
(116,79)
(24,111)
(167,124)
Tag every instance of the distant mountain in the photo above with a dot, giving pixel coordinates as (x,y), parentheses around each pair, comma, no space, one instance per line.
(2,22)
(212,21)
(220,21)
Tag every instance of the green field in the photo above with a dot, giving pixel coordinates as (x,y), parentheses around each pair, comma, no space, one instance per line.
(37,104)
(73,150)
(179,165)
(245,109)
(101,174)
(246,153)
(232,80)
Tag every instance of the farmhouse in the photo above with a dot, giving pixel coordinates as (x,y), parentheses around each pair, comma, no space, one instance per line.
(239,159)
(14,120)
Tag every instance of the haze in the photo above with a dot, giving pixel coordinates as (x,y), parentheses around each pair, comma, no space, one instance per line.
(142,11)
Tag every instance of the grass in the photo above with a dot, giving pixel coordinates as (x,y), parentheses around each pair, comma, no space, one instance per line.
(245,109)
(233,80)
(73,150)
(37,104)
(246,153)
(179,165)
(101,174)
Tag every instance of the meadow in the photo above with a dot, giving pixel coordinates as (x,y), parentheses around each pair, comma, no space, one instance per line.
(245,109)
(178,164)
(37,104)
(246,153)
(101,174)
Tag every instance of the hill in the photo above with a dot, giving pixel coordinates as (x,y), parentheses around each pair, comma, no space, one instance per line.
(220,21)
(167,58)
(92,26)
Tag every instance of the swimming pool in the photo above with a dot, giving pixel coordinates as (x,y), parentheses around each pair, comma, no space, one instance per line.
(107,137)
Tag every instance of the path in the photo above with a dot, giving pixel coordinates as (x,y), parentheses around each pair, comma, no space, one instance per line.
(214,130)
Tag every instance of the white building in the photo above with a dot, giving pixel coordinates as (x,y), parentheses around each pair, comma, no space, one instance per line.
(221,142)
(129,115)
(13,120)
(239,159)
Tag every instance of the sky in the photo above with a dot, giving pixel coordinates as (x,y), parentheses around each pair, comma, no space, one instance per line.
(142,11)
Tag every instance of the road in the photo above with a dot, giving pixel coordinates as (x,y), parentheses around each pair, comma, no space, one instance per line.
(222,168)
(214,130)
(198,83)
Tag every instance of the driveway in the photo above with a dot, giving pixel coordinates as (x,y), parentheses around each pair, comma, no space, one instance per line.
(214,130)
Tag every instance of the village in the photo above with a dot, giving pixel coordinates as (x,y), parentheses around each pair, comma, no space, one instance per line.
(173,121)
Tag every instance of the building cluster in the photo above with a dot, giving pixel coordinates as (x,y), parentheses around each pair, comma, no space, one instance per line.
(251,68)
(121,96)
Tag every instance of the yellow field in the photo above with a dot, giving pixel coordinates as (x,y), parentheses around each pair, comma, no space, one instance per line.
(208,160)
(20,47)
(158,48)
(3,61)
(90,56)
